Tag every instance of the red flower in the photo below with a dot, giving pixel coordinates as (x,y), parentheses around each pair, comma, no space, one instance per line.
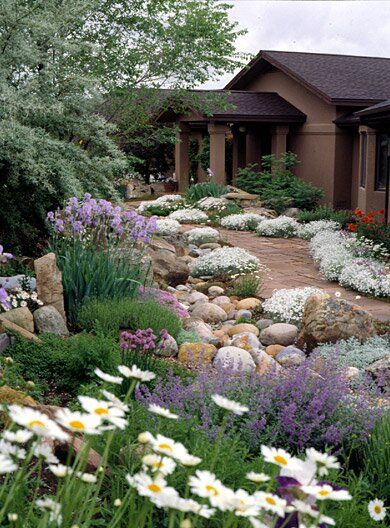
(352,227)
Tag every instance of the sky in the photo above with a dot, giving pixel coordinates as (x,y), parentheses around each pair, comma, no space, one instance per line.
(346,27)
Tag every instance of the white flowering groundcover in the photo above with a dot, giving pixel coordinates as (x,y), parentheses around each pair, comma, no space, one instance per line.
(281,227)
(202,235)
(309,230)
(366,276)
(224,261)
(189,216)
(242,222)
(167,227)
(210,203)
(169,202)
(287,305)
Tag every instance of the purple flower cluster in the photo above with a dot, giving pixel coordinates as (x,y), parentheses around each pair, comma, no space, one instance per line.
(311,405)
(4,257)
(143,340)
(165,298)
(4,303)
(101,221)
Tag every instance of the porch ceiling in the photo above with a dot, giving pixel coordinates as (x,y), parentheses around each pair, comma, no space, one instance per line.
(260,107)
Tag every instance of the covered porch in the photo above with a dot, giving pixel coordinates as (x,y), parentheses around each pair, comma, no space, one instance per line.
(256,124)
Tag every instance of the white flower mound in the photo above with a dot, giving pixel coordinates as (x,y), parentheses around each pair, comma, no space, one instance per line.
(189,216)
(168,202)
(211,203)
(202,235)
(224,261)
(331,250)
(242,222)
(167,227)
(307,231)
(287,306)
(366,276)
(282,227)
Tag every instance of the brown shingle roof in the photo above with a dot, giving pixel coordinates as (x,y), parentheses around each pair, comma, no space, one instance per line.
(339,79)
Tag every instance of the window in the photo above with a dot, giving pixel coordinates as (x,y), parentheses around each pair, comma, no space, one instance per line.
(363,158)
(382,161)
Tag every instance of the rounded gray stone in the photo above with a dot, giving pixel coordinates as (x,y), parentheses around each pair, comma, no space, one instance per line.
(234,358)
(279,334)
(48,319)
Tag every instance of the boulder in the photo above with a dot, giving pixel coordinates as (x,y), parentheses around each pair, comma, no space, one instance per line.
(214,291)
(14,283)
(167,268)
(196,296)
(199,327)
(170,349)
(273,350)
(234,358)
(49,282)
(21,317)
(210,245)
(196,353)
(5,342)
(243,328)
(328,319)
(264,323)
(352,373)
(159,244)
(380,370)
(292,212)
(48,319)
(247,341)
(290,356)
(265,364)
(248,304)
(210,313)
(279,334)
(7,326)
(228,307)
(243,314)
(221,299)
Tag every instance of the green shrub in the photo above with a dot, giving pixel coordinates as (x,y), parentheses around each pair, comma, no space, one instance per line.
(109,316)
(277,186)
(326,212)
(90,273)
(61,365)
(198,191)
(157,210)
(377,458)
(247,285)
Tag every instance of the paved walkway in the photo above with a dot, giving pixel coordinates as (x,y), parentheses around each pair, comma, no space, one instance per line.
(291,266)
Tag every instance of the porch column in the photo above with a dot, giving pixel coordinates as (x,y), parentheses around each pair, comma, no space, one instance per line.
(200,172)
(253,148)
(367,168)
(238,151)
(182,159)
(217,133)
(279,140)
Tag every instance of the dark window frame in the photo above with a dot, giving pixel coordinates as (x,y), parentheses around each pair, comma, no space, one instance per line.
(381,186)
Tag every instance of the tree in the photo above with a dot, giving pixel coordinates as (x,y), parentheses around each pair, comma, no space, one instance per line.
(61,62)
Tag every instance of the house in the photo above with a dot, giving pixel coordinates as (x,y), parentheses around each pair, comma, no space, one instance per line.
(333,111)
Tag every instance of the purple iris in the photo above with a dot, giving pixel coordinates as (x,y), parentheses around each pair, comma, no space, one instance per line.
(4,257)
(3,299)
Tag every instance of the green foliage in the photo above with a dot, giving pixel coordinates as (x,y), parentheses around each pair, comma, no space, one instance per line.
(326,212)
(110,316)
(198,191)
(157,210)
(247,285)
(377,458)
(186,336)
(277,186)
(93,273)
(61,365)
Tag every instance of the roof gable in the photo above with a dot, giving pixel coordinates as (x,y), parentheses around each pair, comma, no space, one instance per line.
(338,79)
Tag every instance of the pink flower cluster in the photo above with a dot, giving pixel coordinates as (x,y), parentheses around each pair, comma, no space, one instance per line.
(143,340)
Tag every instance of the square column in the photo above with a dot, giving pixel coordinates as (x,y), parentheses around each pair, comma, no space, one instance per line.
(217,134)
(201,175)
(182,158)
(253,148)
(239,150)
(279,140)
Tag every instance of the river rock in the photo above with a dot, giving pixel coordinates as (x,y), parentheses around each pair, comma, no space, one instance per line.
(266,363)
(214,291)
(210,313)
(248,304)
(380,370)
(247,341)
(290,356)
(21,317)
(264,323)
(234,358)
(48,319)
(221,299)
(196,353)
(272,350)
(199,327)
(196,296)
(243,328)
(279,334)
(170,349)
(328,319)
(243,314)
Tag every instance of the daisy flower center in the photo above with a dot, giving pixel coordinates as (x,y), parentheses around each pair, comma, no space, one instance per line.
(377,509)
(76,424)
(101,410)
(212,490)
(158,465)
(154,487)
(165,446)
(324,493)
(280,460)
(270,500)
(36,423)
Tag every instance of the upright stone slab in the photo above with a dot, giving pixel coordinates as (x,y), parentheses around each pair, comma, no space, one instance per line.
(49,282)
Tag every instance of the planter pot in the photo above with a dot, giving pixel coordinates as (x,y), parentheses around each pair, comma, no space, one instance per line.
(170,187)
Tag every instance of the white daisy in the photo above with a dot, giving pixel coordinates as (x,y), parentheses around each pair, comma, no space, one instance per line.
(43,450)
(257,477)
(149,487)
(36,422)
(323,461)
(271,502)
(159,464)
(107,377)
(87,477)
(161,411)
(303,471)
(377,510)
(229,405)
(60,471)
(136,373)
(325,491)
(105,410)
(303,507)
(12,517)
(279,457)
(246,505)
(167,446)
(79,422)
(7,465)
(190,460)
(256,523)
(19,437)
(116,402)
(53,507)
(11,450)
(145,438)
(205,484)
(324,519)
